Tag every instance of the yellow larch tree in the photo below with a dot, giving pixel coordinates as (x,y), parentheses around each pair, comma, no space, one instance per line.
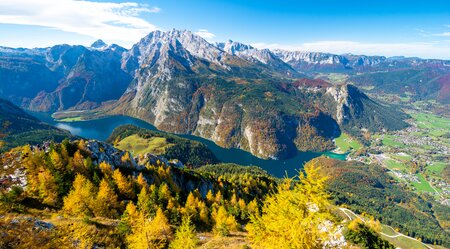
(141,181)
(48,189)
(145,202)
(210,197)
(78,162)
(185,236)
(224,223)
(190,207)
(129,218)
(106,169)
(150,233)
(57,161)
(218,198)
(106,203)
(293,217)
(126,159)
(164,193)
(124,186)
(252,208)
(203,213)
(80,199)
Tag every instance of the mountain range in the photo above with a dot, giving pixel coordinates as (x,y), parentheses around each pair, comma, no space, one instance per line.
(270,103)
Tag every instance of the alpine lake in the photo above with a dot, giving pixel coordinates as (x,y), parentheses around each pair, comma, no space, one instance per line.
(100,129)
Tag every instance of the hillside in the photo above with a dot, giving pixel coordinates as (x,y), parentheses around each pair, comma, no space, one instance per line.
(231,93)
(409,79)
(62,77)
(91,194)
(20,128)
(409,85)
(202,99)
(140,141)
(369,189)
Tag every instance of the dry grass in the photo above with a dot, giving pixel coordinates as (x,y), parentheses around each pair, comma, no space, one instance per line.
(138,145)
(237,240)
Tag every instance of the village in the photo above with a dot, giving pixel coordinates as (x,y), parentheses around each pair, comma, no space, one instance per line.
(417,156)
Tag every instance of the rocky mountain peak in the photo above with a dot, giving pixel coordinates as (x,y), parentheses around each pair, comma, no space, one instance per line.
(176,41)
(249,53)
(98,44)
(310,57)
(233,47)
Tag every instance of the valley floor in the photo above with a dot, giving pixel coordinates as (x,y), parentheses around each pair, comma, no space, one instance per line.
(418,156)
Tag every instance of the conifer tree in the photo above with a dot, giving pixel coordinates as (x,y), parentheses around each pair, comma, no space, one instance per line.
(242,207)
(292,218)
(185,236)
(150,233)
(48,189)
(124,186)
(80,201)
(145,203)
(129,219)
(78,162)
(252,208)
(106,169)
(210,197)
(203,213)
(126,159)
(33,163)
(218,198)
(106,204)
(57,161)
(224,223)
(190,207)
(164,194)
(141,181)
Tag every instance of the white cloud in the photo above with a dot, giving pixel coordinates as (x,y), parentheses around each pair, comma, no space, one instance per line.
(445,34)
(204,33)
(114,22)
(439,50)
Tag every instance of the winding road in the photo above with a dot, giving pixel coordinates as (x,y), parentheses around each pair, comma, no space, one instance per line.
(345,210)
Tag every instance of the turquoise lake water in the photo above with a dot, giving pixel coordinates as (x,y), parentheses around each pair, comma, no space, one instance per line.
(100,129)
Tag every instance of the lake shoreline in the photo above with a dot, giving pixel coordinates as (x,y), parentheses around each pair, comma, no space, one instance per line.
(101,128)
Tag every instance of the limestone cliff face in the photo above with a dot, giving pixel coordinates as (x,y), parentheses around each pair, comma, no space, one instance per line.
(233,122)
(354,110)
(340,96)
(233,94)
(223,97)
(256,124)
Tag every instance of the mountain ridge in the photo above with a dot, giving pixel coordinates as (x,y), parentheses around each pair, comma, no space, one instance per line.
(233,94)
(19,128)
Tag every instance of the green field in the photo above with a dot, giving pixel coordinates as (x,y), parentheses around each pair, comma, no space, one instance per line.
(436,125)
(401,157)
(404,242)
(367,88)
(388,230)
(346,143)
(73,119)
(138,145)
(334,77)
(405,99)
(389,140)
(436,167)
(423,185)
(399,241)
(395,165)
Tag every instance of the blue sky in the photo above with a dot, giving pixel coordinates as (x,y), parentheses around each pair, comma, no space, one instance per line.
(410,28)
